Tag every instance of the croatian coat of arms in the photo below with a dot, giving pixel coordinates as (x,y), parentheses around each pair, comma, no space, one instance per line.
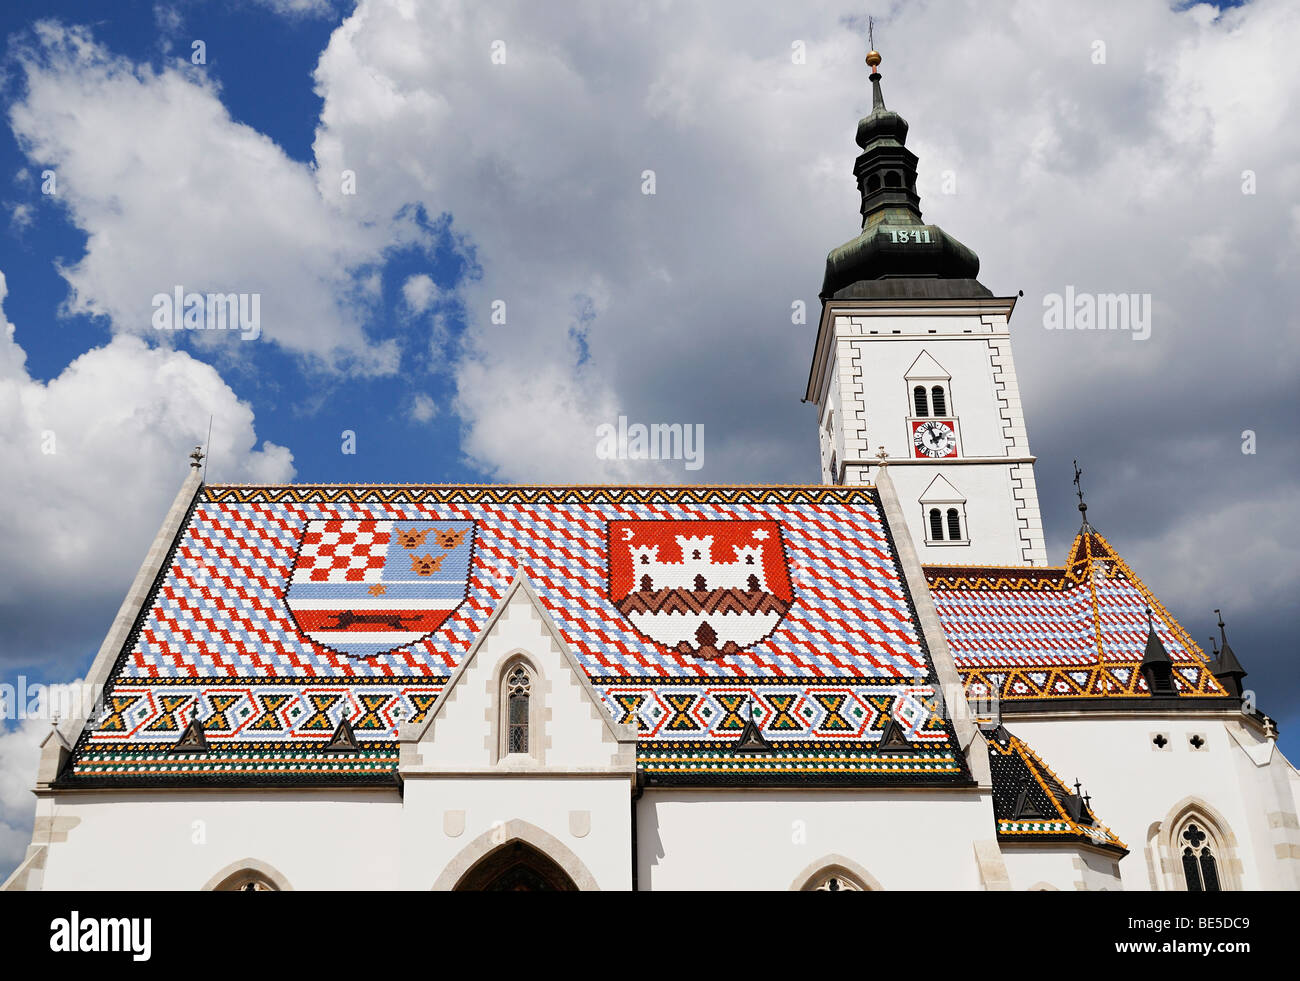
(369,587)
(702,588)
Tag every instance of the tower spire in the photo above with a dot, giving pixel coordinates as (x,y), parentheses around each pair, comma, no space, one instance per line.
(895,243)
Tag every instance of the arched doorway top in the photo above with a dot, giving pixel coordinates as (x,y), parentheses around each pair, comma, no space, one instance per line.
(516,866)
(550,848)
(831,865)
(250,869)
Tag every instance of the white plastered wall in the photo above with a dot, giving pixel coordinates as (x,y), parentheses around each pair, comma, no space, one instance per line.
(1061,867)
(1137,787)
(180,840)
(765,839)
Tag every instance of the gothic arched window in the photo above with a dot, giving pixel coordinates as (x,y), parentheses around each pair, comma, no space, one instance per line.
(918,397)
(938,401)
(954,524)
(936,525)
(1199,867)
(518,689)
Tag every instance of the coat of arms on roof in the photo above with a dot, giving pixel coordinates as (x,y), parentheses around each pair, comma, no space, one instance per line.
(708,589)
(371,586)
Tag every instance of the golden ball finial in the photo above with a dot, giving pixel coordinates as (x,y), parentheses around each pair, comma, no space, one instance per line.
(873,59)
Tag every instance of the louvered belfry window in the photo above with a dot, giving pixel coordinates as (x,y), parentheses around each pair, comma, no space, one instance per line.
(954,525)
(937,401)
(936,525)
(518,687)
(918,396)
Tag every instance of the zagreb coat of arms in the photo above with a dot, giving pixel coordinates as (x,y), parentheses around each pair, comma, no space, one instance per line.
(706,589)
(372,586)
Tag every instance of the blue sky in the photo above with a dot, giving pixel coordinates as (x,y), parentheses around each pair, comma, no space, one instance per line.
(520,182)
(262,63)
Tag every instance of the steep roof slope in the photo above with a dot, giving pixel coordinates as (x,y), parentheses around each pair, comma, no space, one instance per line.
(1077,631)
(285,611)
(1031,804)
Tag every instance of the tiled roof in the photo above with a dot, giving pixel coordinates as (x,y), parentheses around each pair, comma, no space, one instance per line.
(1074,631)
(1030,803)
(285,609)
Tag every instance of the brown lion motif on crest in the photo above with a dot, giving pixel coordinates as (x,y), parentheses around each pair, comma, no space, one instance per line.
(426,565)
(451,538)
(413,538)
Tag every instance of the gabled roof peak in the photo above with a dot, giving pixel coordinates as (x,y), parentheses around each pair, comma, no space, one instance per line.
(926,367)
(940,491)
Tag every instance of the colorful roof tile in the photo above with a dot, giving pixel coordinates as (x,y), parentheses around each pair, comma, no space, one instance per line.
(1074,631)
(1031,804)
(284,610)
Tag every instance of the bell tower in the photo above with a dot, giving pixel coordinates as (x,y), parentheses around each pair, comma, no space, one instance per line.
(913,355)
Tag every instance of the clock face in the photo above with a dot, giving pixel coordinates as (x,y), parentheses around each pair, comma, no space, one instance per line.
(934,438)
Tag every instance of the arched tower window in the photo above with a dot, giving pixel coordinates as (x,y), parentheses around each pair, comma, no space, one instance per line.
(518,689)
(954,524)
(918,397)
(893,179)
(873,183)
(936,525)
(938,401)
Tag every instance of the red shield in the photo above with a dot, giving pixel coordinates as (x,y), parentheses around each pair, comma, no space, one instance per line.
(703,588)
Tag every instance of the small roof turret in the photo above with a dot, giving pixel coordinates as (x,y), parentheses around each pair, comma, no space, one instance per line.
(1226,667)
(1157,666)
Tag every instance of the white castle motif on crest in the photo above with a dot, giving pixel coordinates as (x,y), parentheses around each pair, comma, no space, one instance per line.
(697,561)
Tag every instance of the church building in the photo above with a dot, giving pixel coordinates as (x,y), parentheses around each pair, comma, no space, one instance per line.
(881,680)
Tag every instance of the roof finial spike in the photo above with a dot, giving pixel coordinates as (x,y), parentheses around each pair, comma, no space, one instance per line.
(1214,647)
(1078,489)
(873,62)
(1222,633)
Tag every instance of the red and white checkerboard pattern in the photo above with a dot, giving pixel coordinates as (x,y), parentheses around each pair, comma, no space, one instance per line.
(344,551)
(221,610)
